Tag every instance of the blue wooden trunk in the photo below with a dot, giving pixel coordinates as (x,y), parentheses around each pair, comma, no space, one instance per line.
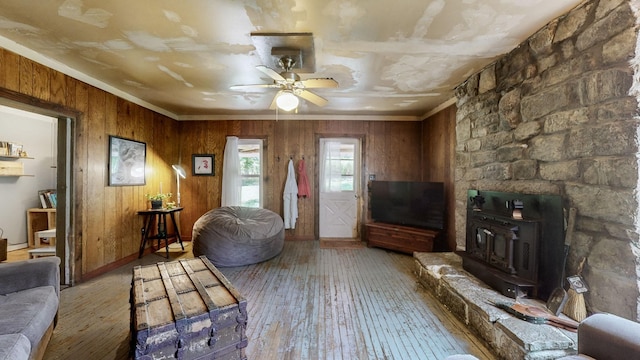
(186,309)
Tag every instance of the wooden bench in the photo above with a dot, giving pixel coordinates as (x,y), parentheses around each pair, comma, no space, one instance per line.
(49,234)
(39,250)
(42,251)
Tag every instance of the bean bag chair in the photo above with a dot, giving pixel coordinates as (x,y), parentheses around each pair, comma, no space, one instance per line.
(237,236)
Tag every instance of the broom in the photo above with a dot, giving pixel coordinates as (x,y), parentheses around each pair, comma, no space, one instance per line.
(576,307)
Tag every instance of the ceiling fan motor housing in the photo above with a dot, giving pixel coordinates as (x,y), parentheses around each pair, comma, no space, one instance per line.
(288,51)
(271,47)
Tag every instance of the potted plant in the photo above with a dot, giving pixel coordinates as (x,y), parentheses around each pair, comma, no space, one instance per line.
(157,199)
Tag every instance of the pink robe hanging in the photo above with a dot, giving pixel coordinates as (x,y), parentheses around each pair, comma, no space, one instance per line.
(303,182)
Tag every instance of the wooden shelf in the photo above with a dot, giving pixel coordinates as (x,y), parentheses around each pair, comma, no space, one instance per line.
(9,157)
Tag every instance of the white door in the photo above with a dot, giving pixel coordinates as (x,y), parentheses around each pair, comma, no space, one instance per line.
(339,187)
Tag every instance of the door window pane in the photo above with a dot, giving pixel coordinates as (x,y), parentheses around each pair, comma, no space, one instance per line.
(339,167)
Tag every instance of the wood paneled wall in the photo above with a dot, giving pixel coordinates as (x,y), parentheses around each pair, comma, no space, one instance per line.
(438,154)
(105,221)
(107,227)
(391,152)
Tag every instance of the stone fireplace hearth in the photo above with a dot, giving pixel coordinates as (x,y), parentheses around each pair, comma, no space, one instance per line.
(559,115)
(470,301)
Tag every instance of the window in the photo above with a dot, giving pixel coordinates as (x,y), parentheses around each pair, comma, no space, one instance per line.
(250,153)
(339,166)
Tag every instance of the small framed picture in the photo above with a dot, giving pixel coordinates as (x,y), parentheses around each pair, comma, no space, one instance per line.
(203,164)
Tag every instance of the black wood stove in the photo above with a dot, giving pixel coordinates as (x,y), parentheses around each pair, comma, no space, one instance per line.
(515,242)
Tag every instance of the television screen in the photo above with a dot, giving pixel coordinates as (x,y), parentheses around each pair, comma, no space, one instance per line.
(409,203)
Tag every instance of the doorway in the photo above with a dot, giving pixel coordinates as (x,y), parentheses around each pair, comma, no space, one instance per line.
(340,192)
(60,165)
(27,157)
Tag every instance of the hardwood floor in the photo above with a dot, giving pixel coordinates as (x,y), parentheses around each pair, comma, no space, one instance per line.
(17,255)
(307,303)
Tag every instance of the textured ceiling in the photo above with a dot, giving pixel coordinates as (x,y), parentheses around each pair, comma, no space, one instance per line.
(393,60)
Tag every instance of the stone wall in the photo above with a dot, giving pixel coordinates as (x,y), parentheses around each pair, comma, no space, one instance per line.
(555,116)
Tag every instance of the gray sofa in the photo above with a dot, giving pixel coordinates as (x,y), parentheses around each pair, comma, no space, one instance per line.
(607,337)
(29,298)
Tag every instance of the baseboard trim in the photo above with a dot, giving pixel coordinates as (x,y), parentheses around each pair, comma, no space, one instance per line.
(99,271)
(299,238)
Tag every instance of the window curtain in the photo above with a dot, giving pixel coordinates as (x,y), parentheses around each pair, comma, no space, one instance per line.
(330,166)
(231,184)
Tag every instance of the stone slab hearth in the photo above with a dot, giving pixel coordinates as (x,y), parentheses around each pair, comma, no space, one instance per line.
(470,300)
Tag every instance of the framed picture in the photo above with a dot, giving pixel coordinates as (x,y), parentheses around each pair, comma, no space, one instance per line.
(203,164)
(127,160)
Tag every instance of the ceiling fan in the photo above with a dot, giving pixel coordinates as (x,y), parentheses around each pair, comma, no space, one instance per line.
(290,85)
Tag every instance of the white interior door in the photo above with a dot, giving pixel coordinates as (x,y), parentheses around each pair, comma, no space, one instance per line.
(339,187)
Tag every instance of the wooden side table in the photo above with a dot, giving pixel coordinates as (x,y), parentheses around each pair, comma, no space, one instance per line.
(160,215)
(3,249)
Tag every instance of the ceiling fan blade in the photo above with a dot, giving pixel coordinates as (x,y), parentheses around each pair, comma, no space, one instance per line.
(270,72)
(319,83)
(253,86)
(311,97)
(273,102)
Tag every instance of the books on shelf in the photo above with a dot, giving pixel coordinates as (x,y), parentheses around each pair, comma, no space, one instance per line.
(8,148)
(48,198)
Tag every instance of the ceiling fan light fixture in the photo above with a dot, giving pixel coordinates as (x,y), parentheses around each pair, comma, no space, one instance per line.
(287,101)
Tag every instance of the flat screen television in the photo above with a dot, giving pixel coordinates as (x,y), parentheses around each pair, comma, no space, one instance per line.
(409,203)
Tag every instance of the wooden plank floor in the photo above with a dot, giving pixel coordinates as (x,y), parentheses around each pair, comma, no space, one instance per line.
(307,303)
